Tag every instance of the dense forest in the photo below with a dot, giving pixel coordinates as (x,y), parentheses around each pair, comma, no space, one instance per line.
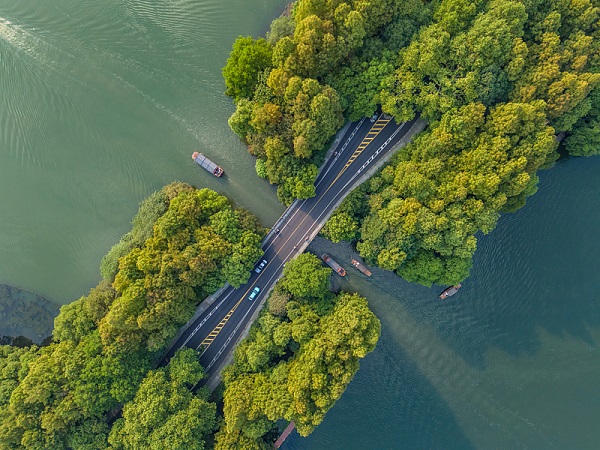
(301,354)
(96,385)
(185,244)
(501,83)
(505,85)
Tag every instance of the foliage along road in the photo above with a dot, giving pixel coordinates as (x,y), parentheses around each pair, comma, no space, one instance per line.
(216,331)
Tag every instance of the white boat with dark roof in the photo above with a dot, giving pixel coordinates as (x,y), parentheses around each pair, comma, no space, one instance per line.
(207,164)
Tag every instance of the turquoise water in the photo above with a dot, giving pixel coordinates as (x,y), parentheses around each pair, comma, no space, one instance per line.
(103,103)
(511,361)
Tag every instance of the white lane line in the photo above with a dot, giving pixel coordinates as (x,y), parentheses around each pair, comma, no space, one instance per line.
(206,318)
(332,162)
(309,231)
(229,338)
(342,150)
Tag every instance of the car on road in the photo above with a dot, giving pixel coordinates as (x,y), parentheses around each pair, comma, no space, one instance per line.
(374,117)
(254,293)
(261,266)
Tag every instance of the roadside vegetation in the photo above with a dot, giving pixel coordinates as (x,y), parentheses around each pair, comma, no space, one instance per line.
(301,354)
(500,82)
(96,386)
(291,89)
(185,244)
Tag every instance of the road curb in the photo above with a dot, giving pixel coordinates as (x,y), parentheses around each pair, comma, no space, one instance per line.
(420,124)
(332,148)
(203,306)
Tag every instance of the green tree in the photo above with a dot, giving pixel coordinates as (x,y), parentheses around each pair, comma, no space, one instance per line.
(14,365)
(451,183)
(248,58)
(584,140)
(236,440)
(280,27)
(165,414)
(239,121)
(305,277)
(341,227)
(328,362)
(148,213)
(60,396)
(261,168)
(278,300)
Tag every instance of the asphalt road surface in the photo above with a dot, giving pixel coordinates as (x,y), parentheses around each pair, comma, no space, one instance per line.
(217,329)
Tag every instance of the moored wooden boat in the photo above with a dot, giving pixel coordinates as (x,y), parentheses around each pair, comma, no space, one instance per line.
(360,266)
(449,292)
(334,265)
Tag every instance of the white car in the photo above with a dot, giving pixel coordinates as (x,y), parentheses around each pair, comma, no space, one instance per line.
(261,266)
(254,293)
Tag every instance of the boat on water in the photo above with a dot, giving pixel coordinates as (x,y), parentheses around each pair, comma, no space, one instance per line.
(360,266)
(207,164)
(449,292)
(334,265)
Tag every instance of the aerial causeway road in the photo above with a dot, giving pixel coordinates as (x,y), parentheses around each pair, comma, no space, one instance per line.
(215,332)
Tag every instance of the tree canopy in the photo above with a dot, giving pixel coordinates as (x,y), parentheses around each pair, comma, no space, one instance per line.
(165,414)
(497,80)
(584,139)
(184,245)
(305,277)
(248,59)
(298,359)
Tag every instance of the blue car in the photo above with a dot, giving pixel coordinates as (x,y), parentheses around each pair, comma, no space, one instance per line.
(254,293)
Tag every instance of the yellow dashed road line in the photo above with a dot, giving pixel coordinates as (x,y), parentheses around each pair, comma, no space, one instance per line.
(377,128)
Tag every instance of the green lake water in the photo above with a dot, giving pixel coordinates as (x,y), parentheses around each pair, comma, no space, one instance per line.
(101,103)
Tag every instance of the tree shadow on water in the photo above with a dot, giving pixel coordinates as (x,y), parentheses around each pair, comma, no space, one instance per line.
(390,404)
(537,271)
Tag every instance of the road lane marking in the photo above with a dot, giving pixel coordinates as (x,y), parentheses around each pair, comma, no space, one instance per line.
(226,343)
(215,332)
(206,318)
(380,149)
(210,338)
(322,175)
(230,337)
(377,128)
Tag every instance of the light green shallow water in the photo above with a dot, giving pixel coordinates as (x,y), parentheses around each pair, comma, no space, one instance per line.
(101,103)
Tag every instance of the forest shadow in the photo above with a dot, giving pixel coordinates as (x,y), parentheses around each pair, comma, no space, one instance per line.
(390,404)
(536,270)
